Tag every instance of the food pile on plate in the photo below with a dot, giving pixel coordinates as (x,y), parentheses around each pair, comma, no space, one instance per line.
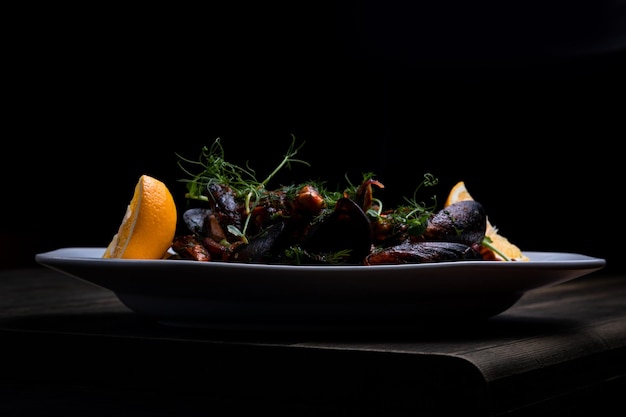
(233,217)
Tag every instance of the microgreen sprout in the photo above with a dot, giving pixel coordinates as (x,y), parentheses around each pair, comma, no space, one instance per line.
(242,180)
(415,214)
(295,255)
(487,242)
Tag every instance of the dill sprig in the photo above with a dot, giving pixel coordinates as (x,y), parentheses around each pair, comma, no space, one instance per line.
(414,214)
(214,169)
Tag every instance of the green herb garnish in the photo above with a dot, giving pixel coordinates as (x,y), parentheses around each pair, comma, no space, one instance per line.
(216,170)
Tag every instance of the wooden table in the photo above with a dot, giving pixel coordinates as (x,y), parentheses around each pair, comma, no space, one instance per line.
(71,348)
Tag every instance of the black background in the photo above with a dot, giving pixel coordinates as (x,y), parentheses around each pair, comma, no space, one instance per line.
(525,103)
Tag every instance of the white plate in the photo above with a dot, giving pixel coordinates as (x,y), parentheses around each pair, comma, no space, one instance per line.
(235,295)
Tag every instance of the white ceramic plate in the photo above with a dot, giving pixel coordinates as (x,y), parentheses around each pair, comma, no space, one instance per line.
(235,295)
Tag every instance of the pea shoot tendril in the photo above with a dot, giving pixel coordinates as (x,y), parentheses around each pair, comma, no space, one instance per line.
(214,170)
(242,180)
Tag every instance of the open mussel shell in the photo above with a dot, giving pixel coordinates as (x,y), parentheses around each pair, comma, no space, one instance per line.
(346,229)
(262,248)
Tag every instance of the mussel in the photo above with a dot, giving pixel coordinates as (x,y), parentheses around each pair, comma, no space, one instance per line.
(304,231)
(453,233)
(347,229)
(462,222)
(195,219)
(423,252)
(266,247)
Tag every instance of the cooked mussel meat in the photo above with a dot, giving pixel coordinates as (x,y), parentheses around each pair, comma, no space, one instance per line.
(188,247)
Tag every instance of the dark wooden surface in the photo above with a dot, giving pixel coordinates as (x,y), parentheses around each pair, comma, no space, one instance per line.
(71,348)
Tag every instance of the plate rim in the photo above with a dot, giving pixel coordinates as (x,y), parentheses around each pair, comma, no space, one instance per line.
(569,259)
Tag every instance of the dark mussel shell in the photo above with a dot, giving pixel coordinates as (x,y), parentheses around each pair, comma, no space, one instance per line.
(463,222)
(347,228)
(423,252)
(262,248)
(196,218)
